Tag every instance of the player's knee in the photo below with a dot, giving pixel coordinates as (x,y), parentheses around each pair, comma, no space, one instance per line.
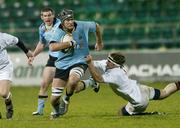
(80,87)
(7,95)
(157,94)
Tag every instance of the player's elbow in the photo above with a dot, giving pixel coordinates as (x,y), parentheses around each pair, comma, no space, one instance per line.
(52,47)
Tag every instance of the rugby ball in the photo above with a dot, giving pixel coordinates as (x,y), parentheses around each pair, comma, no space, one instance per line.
(67,38)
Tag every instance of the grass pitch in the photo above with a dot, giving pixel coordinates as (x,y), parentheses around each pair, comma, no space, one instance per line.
(90,110)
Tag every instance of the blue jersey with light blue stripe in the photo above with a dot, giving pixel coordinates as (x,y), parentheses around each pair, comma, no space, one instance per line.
(77,54)
(44,35)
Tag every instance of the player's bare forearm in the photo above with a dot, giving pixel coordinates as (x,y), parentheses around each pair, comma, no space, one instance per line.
(59,46)
(95,73)
(39,48)
(29,54)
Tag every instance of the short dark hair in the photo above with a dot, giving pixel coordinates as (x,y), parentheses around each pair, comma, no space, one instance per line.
(117,58)
(47,9)
(65,14)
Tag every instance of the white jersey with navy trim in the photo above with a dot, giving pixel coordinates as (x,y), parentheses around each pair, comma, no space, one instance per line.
(120,83)
(6,40)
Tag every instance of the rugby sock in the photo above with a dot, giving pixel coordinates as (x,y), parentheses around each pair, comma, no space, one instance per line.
(9,108)
(56,108)
(41,103)
(84,85)
(88,83)
(68,96)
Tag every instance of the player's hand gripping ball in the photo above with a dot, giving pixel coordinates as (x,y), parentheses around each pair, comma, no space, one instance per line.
(68,38)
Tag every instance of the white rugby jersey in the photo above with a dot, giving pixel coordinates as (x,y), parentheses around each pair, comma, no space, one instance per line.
(120,83)
(5,41)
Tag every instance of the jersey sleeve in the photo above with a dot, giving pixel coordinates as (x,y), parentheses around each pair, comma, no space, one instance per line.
(111,78)
(91,26)
(100,65)
(7,40)
(107,78)
(56,36)
(41,35)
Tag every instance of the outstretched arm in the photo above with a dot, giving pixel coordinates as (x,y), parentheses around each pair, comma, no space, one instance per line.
(21,45)
(94,72)
(39,48)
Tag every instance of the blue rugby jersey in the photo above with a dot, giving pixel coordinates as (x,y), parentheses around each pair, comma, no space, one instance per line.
(78,54)
(44,35)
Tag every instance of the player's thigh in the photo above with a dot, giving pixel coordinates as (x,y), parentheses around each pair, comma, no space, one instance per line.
(76,73)
(58,83)
(5,79)
(48,73)
(147,92)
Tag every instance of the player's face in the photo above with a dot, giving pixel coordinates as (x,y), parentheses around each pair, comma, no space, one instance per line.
(47,17)
(69,24)
(109,65)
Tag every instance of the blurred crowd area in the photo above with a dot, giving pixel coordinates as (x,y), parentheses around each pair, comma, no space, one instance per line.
(126,24)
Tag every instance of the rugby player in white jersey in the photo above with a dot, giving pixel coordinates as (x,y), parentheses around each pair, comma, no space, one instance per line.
(6,68)
(137,95)
(45,31)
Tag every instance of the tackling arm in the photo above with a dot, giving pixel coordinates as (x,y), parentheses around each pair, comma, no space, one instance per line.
(94,72)
(39,48)
(21,45)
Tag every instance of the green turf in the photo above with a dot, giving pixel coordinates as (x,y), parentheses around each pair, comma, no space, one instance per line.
(90,110)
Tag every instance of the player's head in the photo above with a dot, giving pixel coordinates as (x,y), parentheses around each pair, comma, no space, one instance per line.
(115,59)
(47,9)
(47,15)
(66,14)
(67,19)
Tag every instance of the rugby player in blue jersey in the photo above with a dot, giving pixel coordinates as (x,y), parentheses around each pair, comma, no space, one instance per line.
(71,64)
(45,32)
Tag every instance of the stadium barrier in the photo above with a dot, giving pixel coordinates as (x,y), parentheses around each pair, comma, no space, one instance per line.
(140,65)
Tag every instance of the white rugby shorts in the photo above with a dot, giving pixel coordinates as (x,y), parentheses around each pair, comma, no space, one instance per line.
(7,72)
(138,107)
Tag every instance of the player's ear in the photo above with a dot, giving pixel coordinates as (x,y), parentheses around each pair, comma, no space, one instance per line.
(41,17)
(53,15)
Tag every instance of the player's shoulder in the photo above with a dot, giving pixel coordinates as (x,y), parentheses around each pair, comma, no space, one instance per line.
(57,22)
(42,27)
(84,22)
(100,63)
